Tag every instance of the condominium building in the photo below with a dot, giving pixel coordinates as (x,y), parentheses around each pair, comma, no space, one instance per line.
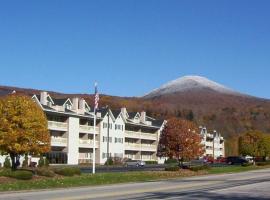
(119,134)
(213,143)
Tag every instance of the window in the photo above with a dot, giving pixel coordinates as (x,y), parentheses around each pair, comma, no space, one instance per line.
(105,125)
(118,140)
(105,139)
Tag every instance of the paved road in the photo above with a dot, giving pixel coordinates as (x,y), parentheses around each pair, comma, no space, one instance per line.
(252,185)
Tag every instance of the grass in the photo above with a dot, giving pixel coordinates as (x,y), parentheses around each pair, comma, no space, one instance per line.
(89,179)
(38,182)
(233,169)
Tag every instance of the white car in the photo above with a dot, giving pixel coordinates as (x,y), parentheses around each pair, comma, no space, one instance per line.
(137,163)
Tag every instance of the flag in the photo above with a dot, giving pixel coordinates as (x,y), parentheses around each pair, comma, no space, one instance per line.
(96,97)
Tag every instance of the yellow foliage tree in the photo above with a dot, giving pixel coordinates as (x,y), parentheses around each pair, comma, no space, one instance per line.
(23,127)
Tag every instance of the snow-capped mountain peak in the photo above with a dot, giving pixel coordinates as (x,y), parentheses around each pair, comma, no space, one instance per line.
(188,83)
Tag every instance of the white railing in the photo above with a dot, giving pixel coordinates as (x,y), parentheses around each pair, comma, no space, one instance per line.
(151,136)
(132,134)
(59,140)
(148,147)
(87,143)
(58,125)
(88,128)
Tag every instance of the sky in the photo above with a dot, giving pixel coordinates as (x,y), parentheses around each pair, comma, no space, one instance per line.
(131,47)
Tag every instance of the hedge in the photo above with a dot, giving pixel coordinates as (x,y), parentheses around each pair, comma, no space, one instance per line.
(68,171)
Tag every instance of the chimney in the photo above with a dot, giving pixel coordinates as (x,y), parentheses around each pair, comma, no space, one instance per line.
(82,104)
(143,116)
(43,98)
(124,112)
(75,102)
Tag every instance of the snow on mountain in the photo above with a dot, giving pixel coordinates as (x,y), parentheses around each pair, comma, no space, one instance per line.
(188,83)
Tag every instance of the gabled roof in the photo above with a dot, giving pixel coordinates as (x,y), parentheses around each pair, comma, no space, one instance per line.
(132,115)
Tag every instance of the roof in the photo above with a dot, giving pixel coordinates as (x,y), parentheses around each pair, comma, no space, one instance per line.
(59,102)
(132,114)
(116,113)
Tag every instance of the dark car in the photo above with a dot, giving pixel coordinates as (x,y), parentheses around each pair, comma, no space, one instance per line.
(236,160)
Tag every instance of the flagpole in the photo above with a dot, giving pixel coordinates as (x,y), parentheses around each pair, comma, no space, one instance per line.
(94,138)
(94,150)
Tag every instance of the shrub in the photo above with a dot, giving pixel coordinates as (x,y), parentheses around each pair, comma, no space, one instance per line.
(7,163)
(21,174)
(171,161)
(172,168)
(109,161)
(199,167)
(263,163)
(46,162)
(5,172)
(150,162)
(41,162)
(247,164)
(25,162)
(68,171)
(45,172)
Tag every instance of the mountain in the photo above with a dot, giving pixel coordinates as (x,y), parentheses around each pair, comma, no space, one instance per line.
(189,83)
(191,97)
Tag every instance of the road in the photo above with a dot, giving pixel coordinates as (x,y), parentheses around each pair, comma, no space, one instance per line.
(241,186)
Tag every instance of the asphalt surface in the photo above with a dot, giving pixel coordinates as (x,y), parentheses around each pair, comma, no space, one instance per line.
(252,185)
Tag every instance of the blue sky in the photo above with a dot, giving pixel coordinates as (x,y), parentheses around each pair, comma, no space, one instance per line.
(131,47)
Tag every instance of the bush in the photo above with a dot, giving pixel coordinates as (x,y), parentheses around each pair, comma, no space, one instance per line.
(46,162)
(7,163)
(41,162)
(109,161)
(21,174)
(150,162)
(68,171)
(172,168)
(199,167)
(25,162)
(171,161)
(45,172)
(263,163)
(247,164)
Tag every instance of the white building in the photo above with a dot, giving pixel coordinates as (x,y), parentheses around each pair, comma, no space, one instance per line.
(119,134)
(213,143)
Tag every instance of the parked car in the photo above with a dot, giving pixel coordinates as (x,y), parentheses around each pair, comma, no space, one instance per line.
(234,160)
(137,163)
(220,160)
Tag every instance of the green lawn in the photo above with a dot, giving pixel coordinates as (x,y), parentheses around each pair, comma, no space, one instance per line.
(233,169)
(109,178)
(89,179)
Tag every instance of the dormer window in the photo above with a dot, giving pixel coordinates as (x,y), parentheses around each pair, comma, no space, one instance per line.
(49,104)
(68,106)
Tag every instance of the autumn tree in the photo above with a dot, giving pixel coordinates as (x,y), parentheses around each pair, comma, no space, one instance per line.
(23,127)
(180,139)
(254,143)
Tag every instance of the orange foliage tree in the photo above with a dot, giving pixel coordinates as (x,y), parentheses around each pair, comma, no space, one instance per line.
(23,127)
(180,139)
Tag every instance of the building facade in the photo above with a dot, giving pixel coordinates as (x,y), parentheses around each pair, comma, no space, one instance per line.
(213,143)
(119,134)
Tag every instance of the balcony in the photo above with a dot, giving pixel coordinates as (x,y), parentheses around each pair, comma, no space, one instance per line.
(58,141)
(132,134)
(149,136)
(88,129)
(58,126)
(152,148)
(87,143)
(132,146)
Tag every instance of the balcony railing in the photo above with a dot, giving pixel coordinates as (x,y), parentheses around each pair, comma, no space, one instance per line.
(148,148)
(88,129)
(140,135)
(88,143)
(57,125)
(132,134)
(58,141)
(149,136)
